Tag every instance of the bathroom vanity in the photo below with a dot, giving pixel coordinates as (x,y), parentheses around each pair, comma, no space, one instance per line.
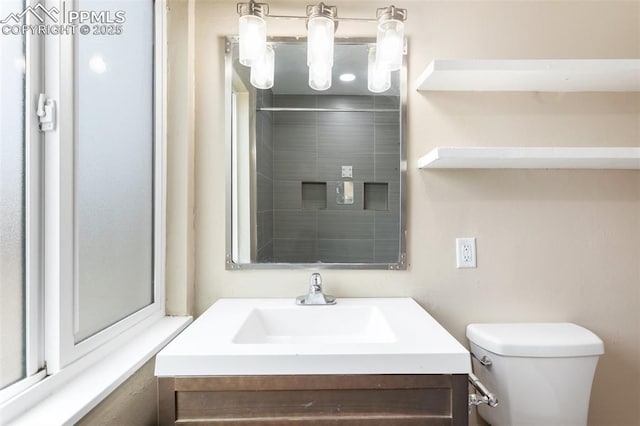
(316,399)
(375,361)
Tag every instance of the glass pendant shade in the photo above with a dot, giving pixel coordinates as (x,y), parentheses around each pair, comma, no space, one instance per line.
(322,21)
(379,77)
(390,44)
(320,35)
(320,76)
(253,38)
(262,70)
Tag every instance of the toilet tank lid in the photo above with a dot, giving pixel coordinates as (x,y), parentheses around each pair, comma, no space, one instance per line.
(535,339)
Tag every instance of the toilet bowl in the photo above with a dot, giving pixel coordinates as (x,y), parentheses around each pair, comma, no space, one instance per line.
(540,372)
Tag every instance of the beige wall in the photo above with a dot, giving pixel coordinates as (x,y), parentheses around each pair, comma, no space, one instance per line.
(180,65)
(553,245)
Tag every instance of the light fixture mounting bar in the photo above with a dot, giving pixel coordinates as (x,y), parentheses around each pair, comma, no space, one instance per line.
(322,10)
(288,17)
(253,8)
(262,10)
(304,18)
(391,12)
(342,18)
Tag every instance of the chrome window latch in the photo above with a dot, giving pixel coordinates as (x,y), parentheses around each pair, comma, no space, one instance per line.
(46,113)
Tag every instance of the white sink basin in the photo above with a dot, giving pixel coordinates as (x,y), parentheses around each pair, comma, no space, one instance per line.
(275,336)
(314,325)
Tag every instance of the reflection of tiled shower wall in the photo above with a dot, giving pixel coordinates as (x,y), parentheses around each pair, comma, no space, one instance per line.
(312,147)
(264,176)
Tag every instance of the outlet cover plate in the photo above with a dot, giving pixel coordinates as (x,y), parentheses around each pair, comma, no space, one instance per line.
(466,252)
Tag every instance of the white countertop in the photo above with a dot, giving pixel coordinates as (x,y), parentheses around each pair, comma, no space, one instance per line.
(412,342)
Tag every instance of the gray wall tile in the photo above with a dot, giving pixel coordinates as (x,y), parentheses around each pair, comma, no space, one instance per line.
(382,101)
(330,166)
(394,196)
(265,254)
(343,118)
(387,139)
(345,140)
(343,251)
(295,250)
(264,125)
(387,118)
(264,177)
(264,162)
(267,227)
(295,137)
(264,98)
(265,194)
(294,165)
(345,224)
(387,167)
(295,117)
(343,101)
(387,225)
(386,251)
(259,229)
(295,224)
(287,194)
(295,101)
(312,147)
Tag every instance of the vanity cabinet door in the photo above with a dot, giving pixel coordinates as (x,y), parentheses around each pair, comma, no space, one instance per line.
(314,400)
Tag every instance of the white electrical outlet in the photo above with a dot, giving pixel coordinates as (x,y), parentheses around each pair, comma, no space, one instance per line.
(465,253)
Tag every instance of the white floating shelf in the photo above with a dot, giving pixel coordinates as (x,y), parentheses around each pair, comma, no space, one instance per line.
(531,158)
(557,75)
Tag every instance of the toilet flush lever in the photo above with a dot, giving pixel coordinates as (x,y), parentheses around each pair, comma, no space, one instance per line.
(485,360)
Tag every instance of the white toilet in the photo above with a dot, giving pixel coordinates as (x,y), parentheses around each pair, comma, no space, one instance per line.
(541,373)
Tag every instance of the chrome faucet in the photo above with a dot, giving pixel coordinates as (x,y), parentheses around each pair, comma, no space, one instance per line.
(315,296)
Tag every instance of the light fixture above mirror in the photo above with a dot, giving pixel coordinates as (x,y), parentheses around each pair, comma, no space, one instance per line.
(322,22)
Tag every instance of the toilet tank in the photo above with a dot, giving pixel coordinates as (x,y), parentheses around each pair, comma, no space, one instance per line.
(541,373)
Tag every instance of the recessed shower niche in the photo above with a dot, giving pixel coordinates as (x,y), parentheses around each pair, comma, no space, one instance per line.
(324,184)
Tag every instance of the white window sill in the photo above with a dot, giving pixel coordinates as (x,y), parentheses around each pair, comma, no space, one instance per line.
(67,400)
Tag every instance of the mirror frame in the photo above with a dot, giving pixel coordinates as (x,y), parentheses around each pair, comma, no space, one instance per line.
(228,75)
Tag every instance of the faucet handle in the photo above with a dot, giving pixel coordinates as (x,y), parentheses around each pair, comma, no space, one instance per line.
(315,283)
(315,295)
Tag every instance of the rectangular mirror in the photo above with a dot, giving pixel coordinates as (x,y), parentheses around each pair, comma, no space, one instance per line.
(315,178)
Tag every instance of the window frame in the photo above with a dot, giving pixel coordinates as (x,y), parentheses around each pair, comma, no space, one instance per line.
(34,302)
(33,290)
(60,348)
(52,357)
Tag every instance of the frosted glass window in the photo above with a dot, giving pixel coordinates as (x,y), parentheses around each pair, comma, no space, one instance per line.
(12,210)
(114,168)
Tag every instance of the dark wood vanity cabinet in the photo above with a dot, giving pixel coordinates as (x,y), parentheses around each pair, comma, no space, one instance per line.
(368,400)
